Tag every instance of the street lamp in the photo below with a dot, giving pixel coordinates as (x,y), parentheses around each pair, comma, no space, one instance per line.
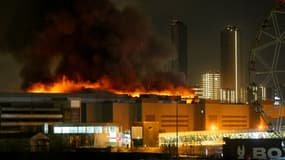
(177,141)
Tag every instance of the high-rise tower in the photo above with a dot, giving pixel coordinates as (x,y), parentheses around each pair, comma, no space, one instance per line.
(211,85)
(230,65)
(179,40)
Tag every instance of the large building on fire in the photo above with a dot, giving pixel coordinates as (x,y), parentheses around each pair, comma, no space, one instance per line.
(100,112)
(22,111)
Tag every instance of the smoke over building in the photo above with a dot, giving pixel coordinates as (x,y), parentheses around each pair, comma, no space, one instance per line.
(91,41)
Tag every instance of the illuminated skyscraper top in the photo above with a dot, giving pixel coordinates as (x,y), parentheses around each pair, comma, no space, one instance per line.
(179,40)
(230,62)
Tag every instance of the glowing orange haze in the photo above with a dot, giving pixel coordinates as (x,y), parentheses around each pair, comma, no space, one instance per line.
(64,85)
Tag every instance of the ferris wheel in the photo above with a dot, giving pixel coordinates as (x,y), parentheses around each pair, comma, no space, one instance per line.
(267,66)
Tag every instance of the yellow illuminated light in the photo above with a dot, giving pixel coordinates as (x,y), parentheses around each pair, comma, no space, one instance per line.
(189,101)
(260,126)
(214,127)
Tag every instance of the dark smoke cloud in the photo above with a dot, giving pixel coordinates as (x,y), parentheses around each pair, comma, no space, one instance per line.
(87,40)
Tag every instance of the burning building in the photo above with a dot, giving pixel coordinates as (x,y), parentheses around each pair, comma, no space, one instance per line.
(63,113)
(87,63)
(87,66)
(85,115)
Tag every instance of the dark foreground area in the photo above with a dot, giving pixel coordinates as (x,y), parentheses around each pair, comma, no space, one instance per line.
(91,156)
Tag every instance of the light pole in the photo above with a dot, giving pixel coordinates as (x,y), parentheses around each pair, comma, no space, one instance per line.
(176,151)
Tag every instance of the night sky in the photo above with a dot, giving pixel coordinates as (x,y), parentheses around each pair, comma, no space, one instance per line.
(21,20)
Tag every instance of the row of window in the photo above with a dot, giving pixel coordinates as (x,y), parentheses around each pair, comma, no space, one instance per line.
(84,129)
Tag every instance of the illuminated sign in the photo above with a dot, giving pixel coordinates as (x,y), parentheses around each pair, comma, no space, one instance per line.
(254,149)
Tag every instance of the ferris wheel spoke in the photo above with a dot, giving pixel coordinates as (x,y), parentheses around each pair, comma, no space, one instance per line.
(266,80)
(275,83)
(279,71)
(265,45)
(278,88)
(268,72)
(262,61)
(278,11)
(262,72)
(267,34)
(282,36)
(276,56)
(275,24)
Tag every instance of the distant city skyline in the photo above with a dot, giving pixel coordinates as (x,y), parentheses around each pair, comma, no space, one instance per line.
(204,21)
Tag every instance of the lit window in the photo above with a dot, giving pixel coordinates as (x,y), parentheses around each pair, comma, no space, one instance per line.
(90,129)
(65,129)
(81,129)
(56,130)
(73,130)
(98,129)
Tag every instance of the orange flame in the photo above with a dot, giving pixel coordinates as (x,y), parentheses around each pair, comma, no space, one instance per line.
(65,85)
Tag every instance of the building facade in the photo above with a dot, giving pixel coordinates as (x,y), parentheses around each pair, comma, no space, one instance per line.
(21,112)
(211,84)
(96,116)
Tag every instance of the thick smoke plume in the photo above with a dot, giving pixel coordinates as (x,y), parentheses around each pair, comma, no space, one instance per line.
(88,40)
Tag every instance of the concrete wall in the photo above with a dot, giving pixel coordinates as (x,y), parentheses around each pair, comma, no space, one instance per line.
(226,116)
(121,115)
(98,112)
(150,134)
(165,114)
(191,117)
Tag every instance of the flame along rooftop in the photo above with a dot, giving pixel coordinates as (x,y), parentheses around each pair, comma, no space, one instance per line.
(65,85)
